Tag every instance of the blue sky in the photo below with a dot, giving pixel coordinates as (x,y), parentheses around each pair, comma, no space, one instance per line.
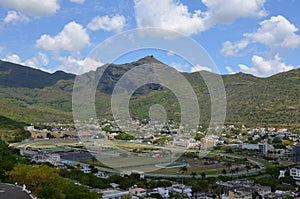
(260,37)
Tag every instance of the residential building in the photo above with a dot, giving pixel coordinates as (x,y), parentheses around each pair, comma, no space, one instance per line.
(163,192)
(262,190)
(295,172)
(86,169)
(296,152)
(262,148)
(140,192)
(240,194)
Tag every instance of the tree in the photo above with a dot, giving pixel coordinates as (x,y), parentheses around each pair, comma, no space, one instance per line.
(273,171)
(7,159)
(287,197)
(33,176)
(199,185)
(256,167)
(224,171)
(49,135)
(93,169)
(203,175)
(228,165)
(183,169)
(193,174)
(277,140)
(128,196)
(248,167)
(232,172)
(44,182)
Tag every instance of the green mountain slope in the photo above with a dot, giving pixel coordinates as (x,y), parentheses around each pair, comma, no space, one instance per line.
(250,100)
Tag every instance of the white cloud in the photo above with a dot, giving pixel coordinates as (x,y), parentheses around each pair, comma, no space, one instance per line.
(78,1)
(232,49)
(38,61)
(179,66)
(229,69)
(262,67)
(200,68)
(168,14)
(72,38)
(78,66)
(276,33)
(114,23)
(14,58)
(33,7)
(172,15)
(226,12)
(15,17)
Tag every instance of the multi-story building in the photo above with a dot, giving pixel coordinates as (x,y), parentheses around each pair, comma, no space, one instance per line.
(295,172)
(296,152)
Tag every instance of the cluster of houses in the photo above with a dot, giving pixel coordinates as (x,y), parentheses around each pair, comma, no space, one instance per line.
(244,189)
(137,192)
(237,189)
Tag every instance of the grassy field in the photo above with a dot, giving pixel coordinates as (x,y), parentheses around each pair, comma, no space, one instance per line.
(124,158)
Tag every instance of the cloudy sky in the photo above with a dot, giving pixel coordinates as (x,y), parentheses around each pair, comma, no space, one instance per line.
(260,37)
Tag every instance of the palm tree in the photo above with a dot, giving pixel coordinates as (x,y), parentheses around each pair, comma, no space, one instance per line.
(232,172)
(193,174)
(224,171)
(203,175)
(237,169)
(248,167)
(228,165)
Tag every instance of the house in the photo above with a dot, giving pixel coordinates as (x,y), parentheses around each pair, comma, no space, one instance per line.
(240,194)
(262,148)
(85,136)
(163,192)
(140,192)
(295,173)
(199,195)
(180,188)
(296,152)
(86,169)
(262,190)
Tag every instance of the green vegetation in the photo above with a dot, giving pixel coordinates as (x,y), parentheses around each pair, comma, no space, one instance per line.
(250,100)
(7,159)
(45,182)
(12,131)
(84,178)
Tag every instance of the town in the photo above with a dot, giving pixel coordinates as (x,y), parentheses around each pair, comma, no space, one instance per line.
(238,162)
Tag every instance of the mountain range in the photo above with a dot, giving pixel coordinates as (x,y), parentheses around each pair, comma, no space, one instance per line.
(31,95)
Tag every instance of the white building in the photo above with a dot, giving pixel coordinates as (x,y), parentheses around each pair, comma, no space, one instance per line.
(86,169)
(262,190)
(163,192)
(295,173)
(263,148)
